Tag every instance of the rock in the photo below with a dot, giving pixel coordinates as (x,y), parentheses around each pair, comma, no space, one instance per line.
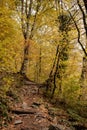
(24,105)
(53,127)
(36,104)
(18,122)
(55,120)
(44,128)
(25,129)
(59,127)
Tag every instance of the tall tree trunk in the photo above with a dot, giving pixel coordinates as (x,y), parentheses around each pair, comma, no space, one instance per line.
(25,18)
(25,60)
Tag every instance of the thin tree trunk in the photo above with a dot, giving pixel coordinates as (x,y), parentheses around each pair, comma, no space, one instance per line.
(36,73)
(51,77)
(40,58)
(54,64)
(54,82)
(55,74)
(84,68)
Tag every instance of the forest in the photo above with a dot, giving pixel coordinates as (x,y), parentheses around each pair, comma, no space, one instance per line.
(43,64)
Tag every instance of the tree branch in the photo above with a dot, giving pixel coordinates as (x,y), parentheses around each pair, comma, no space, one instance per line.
(78,35)
(34,22)
(77,31)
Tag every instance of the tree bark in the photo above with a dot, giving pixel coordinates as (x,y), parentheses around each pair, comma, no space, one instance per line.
(25,60)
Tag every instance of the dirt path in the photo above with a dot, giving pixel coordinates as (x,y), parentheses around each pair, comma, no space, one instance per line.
(33,113)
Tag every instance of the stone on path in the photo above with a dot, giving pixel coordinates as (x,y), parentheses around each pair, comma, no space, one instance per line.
(18,122)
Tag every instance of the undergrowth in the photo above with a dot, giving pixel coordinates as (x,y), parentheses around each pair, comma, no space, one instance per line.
(8,94)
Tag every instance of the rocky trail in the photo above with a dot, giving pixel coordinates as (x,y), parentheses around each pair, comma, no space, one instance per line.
(33,112)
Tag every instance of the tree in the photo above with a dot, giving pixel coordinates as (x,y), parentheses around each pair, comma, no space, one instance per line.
(27,11)
(61,55)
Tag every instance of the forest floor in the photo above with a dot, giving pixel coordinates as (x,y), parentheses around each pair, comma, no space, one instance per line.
(33,112)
